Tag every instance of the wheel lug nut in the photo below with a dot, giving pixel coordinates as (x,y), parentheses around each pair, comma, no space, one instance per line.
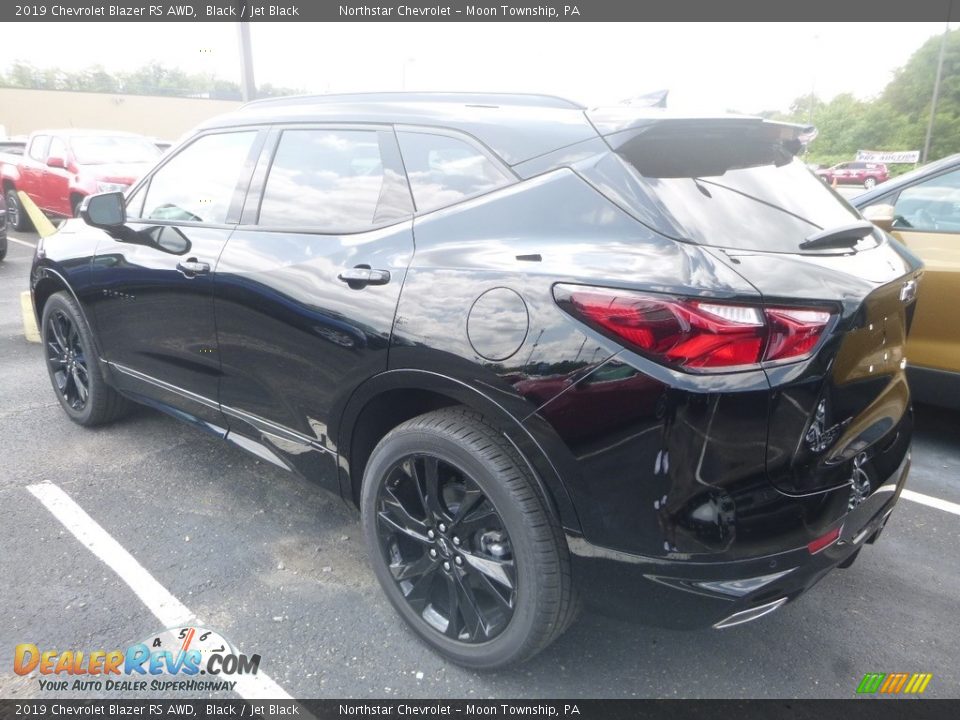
(431,534)
(458,560)
(443,528)
(446,565)
(456,541)
(433,553)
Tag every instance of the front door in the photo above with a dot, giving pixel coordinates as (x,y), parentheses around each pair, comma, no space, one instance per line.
(155,315)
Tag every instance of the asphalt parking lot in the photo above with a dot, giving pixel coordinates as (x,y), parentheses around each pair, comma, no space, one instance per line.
(277,566)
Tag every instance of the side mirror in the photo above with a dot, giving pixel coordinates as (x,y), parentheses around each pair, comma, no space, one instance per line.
(880,215)
(106,210)
(55,161)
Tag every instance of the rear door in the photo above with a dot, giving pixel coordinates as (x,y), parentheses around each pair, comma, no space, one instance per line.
(32,167)
(155,316)
(307,287)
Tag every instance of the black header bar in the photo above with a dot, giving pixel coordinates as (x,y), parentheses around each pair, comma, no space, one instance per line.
(399,709)
(478,11)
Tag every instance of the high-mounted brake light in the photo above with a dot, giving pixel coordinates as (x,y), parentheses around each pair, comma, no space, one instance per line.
(697,335)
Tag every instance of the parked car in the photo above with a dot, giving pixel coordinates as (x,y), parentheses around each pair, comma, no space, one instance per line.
(921,209)
(262,282)
(58,168)
(868,174)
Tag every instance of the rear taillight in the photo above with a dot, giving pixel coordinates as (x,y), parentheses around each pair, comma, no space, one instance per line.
(697,335)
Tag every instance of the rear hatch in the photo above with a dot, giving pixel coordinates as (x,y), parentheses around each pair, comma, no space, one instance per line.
(734,187)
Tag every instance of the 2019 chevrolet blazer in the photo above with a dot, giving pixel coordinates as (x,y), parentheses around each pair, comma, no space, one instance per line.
(550,352)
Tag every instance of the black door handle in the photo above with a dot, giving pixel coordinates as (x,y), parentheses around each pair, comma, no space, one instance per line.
(192,267)
(360,277)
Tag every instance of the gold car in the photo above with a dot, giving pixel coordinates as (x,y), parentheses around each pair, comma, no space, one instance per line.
(921,209)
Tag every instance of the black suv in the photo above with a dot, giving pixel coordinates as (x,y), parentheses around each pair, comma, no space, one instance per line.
(543,348)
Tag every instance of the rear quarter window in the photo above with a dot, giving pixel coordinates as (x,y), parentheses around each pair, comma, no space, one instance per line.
(444,170)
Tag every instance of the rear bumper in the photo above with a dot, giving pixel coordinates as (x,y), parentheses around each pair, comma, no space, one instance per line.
(687,594)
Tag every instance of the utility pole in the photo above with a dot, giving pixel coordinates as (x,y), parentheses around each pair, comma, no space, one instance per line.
(936,94)
(248,88)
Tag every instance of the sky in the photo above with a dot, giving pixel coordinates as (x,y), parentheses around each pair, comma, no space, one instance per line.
(747,67)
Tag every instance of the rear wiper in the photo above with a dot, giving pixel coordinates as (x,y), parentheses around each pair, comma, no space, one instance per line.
(838,237)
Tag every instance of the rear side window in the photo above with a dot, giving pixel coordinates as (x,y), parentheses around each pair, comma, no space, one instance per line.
(444,170)
(334,181)
(198,183)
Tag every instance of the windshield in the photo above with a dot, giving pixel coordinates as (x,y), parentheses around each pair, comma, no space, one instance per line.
(103,149)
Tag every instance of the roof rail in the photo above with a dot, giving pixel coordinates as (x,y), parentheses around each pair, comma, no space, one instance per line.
(469,98)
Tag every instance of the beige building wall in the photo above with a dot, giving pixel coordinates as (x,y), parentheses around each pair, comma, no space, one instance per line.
(167,118)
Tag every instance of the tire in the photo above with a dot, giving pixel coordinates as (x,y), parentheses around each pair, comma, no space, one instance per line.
(527,548)
(870,183)
(75,207)
(74,365)
(3,246)
(17,218)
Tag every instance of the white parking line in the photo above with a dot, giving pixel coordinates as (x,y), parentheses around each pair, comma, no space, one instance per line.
(167,609)
(930,501)
(22,242)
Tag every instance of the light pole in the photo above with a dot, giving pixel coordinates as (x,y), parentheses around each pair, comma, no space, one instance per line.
(936,95)
(813,76)
(248,88)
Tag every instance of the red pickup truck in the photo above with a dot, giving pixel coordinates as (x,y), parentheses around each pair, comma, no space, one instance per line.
(58,168)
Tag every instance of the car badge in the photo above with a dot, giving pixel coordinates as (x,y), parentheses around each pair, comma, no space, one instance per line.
(859,483)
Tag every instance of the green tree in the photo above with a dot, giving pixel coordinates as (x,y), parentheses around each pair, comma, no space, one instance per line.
(910,92)
(150,79)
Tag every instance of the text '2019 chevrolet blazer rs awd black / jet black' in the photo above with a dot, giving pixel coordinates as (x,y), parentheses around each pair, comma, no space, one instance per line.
(551,353)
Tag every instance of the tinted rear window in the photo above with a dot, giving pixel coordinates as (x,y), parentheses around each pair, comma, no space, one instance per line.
(768,206)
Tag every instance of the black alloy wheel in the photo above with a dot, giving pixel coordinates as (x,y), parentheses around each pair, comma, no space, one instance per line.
(463,540)
(447,548)
(68,360)
(74,365)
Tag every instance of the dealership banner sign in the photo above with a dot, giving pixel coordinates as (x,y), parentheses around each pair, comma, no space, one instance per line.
(884,156)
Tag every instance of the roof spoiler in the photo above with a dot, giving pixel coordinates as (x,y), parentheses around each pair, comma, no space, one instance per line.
(621,123)
(661,144)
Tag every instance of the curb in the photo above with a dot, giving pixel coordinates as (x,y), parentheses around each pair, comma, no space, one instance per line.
(30,330)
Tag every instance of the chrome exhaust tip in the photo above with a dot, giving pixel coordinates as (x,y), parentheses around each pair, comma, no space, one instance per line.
(745,616)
